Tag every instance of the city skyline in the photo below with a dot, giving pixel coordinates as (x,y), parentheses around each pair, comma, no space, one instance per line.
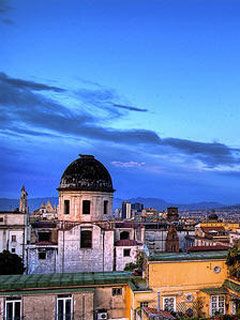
(149,87)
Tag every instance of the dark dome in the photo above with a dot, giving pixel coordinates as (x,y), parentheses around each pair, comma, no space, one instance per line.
(86,174)
(212,216)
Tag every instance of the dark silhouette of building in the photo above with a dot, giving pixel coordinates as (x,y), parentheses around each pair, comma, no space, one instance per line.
(172,214)
(137,206)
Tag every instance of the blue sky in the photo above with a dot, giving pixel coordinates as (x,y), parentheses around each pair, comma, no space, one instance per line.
(150,87)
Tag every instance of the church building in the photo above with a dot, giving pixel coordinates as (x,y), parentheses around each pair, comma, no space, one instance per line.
(87,240)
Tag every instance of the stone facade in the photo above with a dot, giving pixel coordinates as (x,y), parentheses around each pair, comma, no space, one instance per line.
(86,296)
(110,248)
(44,306)
(155,239)
(76,199)
(114,303)
(42,259)
(73,257)
(86,304)
(125,255)
(13,232)
(84,238)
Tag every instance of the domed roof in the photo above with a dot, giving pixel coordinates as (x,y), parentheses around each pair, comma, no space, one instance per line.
(213,216)
(86,174)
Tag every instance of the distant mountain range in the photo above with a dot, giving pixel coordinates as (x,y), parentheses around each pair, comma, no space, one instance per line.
(159,204)
(33,203)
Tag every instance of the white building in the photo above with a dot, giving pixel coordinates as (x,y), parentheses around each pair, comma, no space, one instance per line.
(14,228)
(234,236)
(86,235)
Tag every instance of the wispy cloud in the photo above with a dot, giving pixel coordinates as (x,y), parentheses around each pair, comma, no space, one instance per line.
(25,84)
(106,100)
(128,164)
(129,108)
(5,8)
(38,109)
(211,153)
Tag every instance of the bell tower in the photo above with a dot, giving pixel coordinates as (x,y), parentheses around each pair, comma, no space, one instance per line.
(172,240)
(23,206)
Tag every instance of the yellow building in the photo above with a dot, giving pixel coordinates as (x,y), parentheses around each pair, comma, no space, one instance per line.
(228,226)
(214,233)
(187,283)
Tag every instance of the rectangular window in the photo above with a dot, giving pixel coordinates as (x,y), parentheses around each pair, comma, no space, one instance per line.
(126,252)
(86,207)
(42,255)
(13,250)
(143,304)
(86,239)
(64,307)
(13,309)
(1,219)
(44,236)
(66,206)
(105,207)
(169,304)
(217,305)
(14,238)
(116,291)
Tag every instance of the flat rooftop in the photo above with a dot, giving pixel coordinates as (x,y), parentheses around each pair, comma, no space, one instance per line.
(205,255)
(62,280)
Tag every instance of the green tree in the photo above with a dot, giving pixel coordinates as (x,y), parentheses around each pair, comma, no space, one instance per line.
(233,261)
(10,263)
(137,265)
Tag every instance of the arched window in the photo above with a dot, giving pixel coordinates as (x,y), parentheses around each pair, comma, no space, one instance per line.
(124,235)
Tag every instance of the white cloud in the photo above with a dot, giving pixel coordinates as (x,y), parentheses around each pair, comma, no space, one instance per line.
(128,164)
(224,169)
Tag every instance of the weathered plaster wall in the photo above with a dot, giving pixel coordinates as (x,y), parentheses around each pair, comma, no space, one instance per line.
(73,258)
(121,261)
(115,305)
(36,265)
(96,210)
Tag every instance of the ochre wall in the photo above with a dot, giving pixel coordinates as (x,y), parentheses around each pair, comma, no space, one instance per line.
(186,274)
(180,279)
(227,226)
